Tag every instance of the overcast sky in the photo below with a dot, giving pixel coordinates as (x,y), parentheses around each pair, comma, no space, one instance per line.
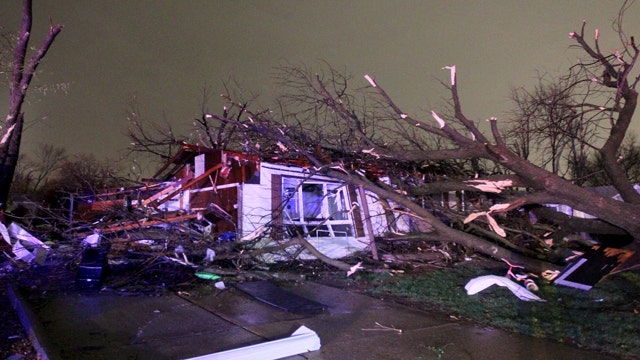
(164,52)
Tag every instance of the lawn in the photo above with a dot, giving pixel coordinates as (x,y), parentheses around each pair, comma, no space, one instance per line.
(605,318)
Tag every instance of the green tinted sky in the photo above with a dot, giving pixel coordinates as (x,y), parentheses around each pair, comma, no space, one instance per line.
(164,52)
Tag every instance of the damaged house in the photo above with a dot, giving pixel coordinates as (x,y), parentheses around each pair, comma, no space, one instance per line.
(234,196)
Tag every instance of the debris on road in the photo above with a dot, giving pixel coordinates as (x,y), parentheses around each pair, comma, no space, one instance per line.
(380,327)
(301,341)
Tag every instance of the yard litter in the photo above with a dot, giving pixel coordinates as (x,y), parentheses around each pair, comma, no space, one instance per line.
(25,246)
(480,283)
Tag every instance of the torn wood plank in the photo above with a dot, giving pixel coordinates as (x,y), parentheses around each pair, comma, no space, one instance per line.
(159,194)
(140,224)
(186,183)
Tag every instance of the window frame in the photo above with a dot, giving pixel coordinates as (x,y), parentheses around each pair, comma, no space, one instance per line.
(297,195)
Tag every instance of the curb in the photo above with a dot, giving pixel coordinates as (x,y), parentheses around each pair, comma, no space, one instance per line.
(29,321)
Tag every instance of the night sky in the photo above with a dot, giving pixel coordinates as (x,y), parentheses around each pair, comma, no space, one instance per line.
(164,52)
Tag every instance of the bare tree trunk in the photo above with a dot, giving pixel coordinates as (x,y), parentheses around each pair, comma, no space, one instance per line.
(9,151)
(22,73)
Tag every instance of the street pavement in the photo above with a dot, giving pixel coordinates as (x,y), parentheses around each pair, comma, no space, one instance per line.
(104,325)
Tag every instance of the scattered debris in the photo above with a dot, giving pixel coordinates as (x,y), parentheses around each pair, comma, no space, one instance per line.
(25,246)
(301,341)
(516,272)
(480,283)
(490,186)
(207,275)
(92,240)
(550,275)
(381,327)
(493,224)
(596,263)
(354,268)
(210,255)
(91,270)
(241,201)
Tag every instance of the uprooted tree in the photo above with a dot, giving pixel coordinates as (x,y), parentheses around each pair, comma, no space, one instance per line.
(22,72)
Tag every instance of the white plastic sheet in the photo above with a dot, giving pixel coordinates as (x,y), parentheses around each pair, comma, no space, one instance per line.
(480,283)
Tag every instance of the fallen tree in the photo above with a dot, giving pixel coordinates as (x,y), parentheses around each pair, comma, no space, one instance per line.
(320,120)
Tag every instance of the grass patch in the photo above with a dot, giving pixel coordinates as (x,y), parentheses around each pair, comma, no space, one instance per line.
(606,318)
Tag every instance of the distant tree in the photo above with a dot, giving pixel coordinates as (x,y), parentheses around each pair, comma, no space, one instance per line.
(33,172)
(46,185)
(23,70)
(84,173)
(628,158)
(156,141)
(147,138)
(552,126)
(7,44)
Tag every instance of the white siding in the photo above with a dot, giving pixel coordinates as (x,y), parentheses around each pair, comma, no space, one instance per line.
(256,203)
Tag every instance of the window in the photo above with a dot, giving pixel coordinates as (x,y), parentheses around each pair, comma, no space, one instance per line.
(319,208)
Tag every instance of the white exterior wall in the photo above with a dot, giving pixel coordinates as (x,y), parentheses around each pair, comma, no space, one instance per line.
(378,219)
(256,201)
(255,206)
(199,165)
(377,214)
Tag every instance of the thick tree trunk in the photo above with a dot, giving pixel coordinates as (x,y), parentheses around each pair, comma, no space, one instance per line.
(9,152)
(558,190)
(442,232)
(22,73)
